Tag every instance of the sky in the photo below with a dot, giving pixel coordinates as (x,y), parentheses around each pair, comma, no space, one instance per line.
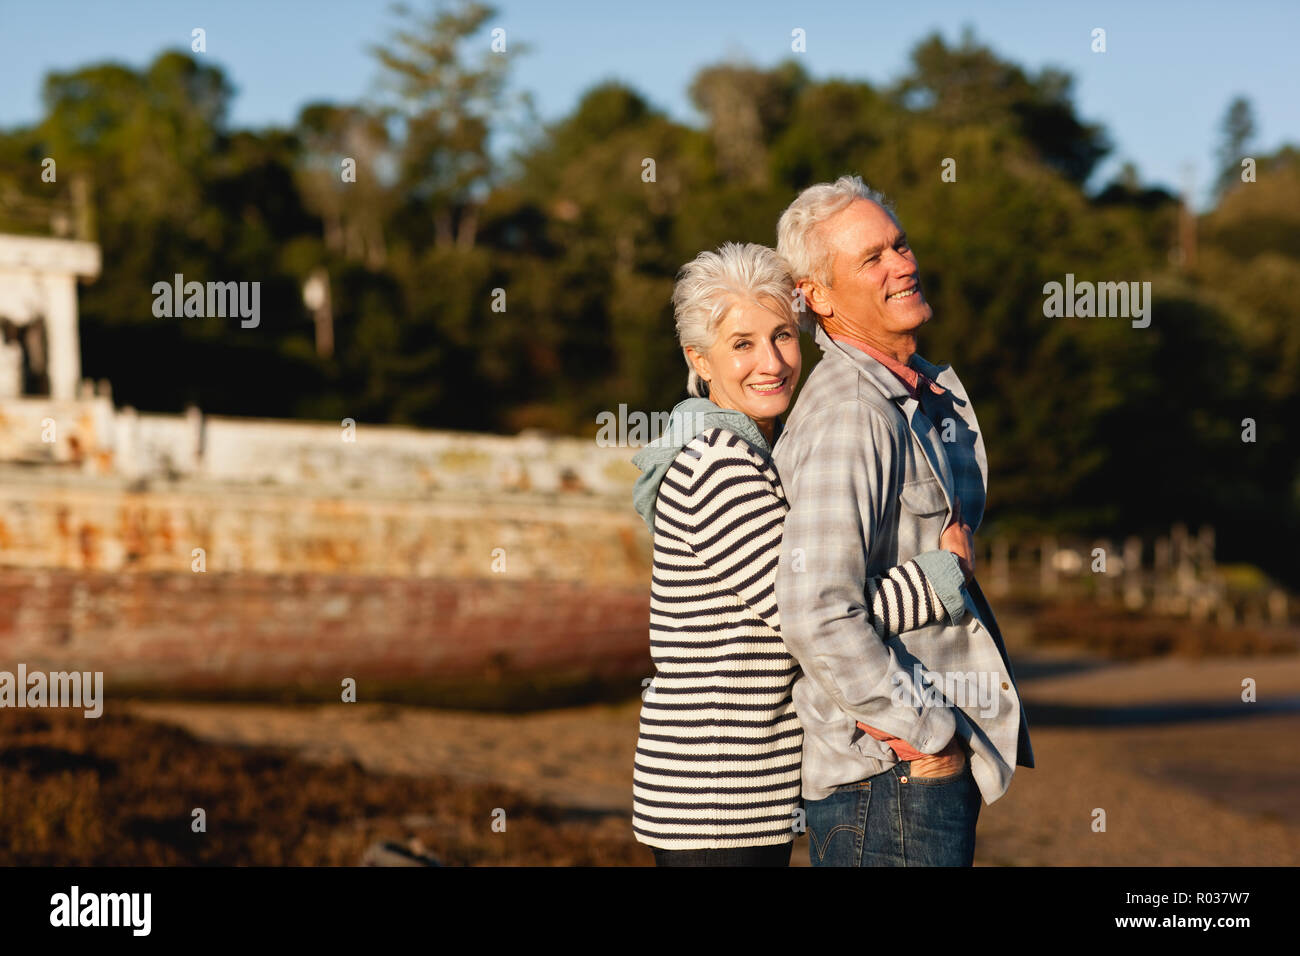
(1160,89)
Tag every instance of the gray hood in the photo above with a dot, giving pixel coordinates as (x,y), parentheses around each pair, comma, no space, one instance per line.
(685,421)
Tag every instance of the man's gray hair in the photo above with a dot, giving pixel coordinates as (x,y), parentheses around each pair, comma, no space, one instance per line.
(711,283)
(798,238)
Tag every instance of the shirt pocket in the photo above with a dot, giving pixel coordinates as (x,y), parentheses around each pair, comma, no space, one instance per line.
(924,498)
(925,515)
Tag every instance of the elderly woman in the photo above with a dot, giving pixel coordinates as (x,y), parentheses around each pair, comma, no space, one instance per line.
(716,775)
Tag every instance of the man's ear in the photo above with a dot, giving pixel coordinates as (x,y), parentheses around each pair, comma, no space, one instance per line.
(815,295)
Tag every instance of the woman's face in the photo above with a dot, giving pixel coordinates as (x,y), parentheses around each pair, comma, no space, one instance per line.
(753,364)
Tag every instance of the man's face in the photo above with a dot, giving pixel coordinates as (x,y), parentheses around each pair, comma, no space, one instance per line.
(875,284)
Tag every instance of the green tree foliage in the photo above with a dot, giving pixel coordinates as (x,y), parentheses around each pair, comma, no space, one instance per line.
(1247,266)
(1238,130)
(1091,423)
(442,104)
(341,172)
(173,191)
(971,84)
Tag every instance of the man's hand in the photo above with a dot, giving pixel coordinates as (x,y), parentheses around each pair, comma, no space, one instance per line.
(960,540)
(948,761)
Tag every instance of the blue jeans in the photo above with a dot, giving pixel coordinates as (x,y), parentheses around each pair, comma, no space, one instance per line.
(895,819)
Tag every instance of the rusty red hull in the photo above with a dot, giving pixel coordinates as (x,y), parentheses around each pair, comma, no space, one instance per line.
(460,642)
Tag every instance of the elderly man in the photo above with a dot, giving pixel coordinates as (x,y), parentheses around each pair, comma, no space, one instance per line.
(880,459)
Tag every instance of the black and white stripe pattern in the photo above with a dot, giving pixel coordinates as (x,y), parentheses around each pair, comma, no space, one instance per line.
(717,760)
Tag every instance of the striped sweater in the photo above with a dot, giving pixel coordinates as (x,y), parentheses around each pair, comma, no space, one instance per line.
(717,759)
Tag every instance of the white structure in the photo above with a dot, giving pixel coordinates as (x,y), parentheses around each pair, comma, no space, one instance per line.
(38,293)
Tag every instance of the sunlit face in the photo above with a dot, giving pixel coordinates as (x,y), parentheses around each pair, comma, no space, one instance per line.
(875,283)
(754,362)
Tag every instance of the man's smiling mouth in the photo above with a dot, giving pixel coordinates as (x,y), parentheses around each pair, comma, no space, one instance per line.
(905,293)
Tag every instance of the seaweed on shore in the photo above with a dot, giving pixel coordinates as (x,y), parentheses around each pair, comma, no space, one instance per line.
(122,791)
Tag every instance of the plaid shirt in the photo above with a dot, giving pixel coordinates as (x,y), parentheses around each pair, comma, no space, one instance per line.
(870,481)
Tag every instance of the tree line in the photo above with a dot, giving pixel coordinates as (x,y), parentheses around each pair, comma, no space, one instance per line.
(472,292)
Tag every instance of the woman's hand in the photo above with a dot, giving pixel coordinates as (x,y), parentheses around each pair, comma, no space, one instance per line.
(960,540)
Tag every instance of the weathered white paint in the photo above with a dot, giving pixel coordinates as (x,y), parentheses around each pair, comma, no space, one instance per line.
(38,280)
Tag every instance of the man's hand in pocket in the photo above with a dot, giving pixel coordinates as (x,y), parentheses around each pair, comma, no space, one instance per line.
(948,761)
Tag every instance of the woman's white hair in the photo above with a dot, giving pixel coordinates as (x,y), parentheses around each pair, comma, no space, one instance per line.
(711,283)
(798,238)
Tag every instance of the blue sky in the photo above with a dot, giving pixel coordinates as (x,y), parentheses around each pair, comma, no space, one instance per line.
(1160,89)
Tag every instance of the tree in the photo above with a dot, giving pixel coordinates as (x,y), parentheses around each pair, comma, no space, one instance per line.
(174,191)
(441,107)
(1238,129)
(352,208)
(970,84)
(744,105)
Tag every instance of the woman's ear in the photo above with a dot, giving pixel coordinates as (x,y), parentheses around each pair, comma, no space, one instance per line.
(698,362)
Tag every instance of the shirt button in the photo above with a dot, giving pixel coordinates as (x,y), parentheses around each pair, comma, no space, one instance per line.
(1006,686)
(902,779)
